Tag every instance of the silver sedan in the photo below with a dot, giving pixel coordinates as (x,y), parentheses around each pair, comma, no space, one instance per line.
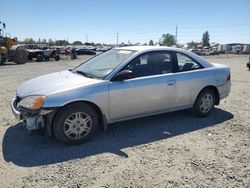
(120,84)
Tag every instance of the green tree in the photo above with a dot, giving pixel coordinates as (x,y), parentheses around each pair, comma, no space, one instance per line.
(167,40)
(77,43)
(29,41)
(205,39)
(151,43)
(51,42)
(61,42)
(193,44)
(44,41)
(89,44)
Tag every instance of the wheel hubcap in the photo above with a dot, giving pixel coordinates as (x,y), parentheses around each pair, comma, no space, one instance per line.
(206,103)
(77,125)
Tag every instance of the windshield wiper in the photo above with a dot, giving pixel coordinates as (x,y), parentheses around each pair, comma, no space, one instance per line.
(88,75)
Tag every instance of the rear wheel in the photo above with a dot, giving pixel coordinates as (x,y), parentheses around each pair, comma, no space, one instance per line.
(21,56)
(57,57)
(75,123)
(204,103)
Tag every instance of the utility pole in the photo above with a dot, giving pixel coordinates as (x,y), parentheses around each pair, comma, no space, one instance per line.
(117,38)
(86,38)
(176,31)
(0,29)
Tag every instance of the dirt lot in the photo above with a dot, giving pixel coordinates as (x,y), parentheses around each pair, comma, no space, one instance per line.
(169,150)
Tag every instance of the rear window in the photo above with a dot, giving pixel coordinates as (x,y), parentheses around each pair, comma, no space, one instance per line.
(186,63)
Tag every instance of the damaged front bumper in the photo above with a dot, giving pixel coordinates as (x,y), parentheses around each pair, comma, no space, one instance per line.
(33,120)
(14,109)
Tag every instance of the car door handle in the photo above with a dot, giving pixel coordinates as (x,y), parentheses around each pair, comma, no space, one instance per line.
(171,82)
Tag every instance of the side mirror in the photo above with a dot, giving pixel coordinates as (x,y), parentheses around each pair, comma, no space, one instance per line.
(123,75)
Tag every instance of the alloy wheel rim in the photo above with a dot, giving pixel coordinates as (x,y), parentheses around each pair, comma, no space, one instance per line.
(206,103)
(77,125)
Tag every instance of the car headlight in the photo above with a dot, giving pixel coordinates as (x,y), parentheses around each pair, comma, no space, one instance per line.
(32,102)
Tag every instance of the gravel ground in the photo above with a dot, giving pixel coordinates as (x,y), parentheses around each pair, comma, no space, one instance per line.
(169,150)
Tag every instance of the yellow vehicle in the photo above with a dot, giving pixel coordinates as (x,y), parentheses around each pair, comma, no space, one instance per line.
(9,50)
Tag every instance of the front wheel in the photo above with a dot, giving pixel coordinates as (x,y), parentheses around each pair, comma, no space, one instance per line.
(76,123)
(204,103)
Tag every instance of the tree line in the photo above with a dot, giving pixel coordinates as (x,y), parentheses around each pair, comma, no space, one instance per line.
(170,40)
(165,40)
(51,42)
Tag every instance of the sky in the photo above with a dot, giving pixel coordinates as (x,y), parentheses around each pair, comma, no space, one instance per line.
(135,21)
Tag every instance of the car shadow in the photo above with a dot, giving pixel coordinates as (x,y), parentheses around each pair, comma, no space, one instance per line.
(28,150)
(6,64)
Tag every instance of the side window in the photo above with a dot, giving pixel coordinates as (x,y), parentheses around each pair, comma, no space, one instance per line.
(153,63)
(185,63)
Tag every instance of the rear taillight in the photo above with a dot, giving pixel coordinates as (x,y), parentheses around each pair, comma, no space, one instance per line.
(229,76)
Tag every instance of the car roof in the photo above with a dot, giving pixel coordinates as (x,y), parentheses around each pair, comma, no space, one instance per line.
(148,48)
(142,49)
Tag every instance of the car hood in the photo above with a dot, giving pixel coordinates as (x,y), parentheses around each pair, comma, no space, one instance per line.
(52,83)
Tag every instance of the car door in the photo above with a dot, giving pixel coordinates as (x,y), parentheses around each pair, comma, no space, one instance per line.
(152,88)
(191,77)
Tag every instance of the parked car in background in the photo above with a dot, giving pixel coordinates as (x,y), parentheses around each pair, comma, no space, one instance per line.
(81,51)
(213,52)
(237,49)
(103,48)
(63,50)
(43,55)
(246,49)
(199,52)
(120,84)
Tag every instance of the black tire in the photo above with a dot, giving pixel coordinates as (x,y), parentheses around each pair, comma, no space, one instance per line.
(60,125)
(21,56)
(205,98)
(40,58)
(57,57)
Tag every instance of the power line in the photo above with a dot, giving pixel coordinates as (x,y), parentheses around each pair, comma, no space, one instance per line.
(117,38)
(186,28)
(176,30)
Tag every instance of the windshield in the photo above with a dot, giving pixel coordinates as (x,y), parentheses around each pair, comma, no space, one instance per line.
(102,65)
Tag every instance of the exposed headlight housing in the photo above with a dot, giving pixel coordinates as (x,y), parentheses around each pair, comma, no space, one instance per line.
(32,102)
